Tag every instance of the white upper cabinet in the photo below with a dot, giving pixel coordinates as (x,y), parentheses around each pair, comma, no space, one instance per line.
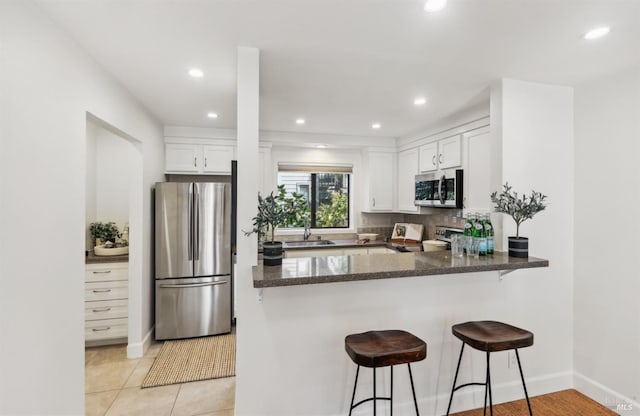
(198,158)
(407,170)
(449,152)
(443,154)
(182,157)
(429,157)
(217,159)
(379,177)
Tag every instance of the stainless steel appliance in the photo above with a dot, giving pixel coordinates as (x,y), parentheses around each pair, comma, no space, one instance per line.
(192,259)
(441,190)
(444,233)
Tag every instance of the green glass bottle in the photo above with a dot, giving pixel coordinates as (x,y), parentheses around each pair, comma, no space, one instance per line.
(479,234)
(468,230)
(488,229)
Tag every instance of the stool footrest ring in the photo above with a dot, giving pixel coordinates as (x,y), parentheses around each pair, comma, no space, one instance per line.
(368,400)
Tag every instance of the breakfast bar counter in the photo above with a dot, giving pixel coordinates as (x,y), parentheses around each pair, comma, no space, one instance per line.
(331,269)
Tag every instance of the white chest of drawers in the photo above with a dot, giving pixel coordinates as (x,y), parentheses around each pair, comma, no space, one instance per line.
(106,296)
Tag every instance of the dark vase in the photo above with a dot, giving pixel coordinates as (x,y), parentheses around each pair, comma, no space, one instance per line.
(519,247)
(272,253)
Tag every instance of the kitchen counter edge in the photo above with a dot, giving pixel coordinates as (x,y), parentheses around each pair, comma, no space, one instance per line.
(361,268)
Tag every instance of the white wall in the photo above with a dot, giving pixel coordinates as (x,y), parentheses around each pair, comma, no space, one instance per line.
(607,197)
(112,178)
(48,85)
(536,125)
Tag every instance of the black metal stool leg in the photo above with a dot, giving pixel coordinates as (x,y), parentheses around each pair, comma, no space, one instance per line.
(391,394)
(526,395)
(374,391)
(489,384)
(413,390)
(486,391)
(354,391)
(455,378)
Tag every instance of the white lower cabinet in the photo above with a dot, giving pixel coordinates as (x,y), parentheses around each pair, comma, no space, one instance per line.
(106,301)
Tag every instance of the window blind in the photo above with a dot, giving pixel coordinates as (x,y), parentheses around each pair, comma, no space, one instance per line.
(314,168)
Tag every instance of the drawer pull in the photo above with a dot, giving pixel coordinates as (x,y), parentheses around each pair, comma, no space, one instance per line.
(102,272)
(101,290)
(105,328)
(102,310)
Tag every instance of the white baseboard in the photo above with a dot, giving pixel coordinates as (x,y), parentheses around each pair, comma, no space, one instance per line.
(137,350)
(605,396)
(473,397)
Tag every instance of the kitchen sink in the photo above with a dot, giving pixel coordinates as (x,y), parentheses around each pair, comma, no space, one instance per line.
(313,243)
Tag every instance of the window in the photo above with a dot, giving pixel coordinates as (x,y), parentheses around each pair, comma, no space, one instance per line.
(321,194)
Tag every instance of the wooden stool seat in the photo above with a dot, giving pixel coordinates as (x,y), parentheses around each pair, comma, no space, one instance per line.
(491,336)
(385,348)
(375,349)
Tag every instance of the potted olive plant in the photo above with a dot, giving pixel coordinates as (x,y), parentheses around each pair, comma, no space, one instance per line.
(520,209)
(271,214)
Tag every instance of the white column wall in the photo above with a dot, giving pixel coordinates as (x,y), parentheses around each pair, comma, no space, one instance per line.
(48,85)
(607,197)
(537,153)
(250,328)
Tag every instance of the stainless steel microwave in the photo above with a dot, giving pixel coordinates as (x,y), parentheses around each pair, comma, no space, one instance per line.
(441,189)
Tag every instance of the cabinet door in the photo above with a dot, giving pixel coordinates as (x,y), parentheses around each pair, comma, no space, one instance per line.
(182,157)
(381,181)
(429,157)
(289,254)
(217,159)
(477,175)
(407,170)
(450,152)
(380,250)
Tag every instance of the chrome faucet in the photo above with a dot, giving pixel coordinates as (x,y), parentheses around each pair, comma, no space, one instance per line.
(307,230)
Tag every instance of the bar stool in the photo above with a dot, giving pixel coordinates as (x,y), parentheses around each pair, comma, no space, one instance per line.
(490,336)
(375,349)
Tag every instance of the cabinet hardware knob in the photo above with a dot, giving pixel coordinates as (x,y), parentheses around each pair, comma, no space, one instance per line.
(433,160)
(101,290)
(205,162)
(195,162)
(102,272)
(440,158)
(102,310)
(374,202)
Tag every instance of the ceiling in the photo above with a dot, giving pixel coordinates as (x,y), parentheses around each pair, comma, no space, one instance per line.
(344,64)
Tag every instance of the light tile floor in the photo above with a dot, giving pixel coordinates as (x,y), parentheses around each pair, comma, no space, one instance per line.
(112,388)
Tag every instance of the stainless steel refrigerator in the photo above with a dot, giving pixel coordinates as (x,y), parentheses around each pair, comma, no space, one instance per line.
(192,259)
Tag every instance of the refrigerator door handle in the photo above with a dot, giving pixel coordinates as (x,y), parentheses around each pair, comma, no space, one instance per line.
(196,225)
(190,211)
(187,285)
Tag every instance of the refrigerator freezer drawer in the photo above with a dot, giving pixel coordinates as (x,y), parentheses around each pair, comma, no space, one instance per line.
(193,307)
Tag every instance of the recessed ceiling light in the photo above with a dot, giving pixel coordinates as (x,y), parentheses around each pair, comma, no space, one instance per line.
(300,121)
(596,33)
(376,126)
(420,101)
(212,115)
(434,5)
(321,146)
(196,73)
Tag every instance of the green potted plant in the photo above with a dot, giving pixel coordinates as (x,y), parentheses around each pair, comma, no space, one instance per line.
(520,209)
(271,214)
(103,232)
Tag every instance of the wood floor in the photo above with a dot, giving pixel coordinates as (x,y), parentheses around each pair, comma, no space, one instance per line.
(561,403)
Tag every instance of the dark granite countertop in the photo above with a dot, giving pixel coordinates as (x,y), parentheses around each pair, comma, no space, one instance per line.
(92,259)
(328,269)
(338,244)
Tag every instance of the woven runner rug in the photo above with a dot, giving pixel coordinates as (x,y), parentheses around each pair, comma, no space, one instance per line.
(194,359)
